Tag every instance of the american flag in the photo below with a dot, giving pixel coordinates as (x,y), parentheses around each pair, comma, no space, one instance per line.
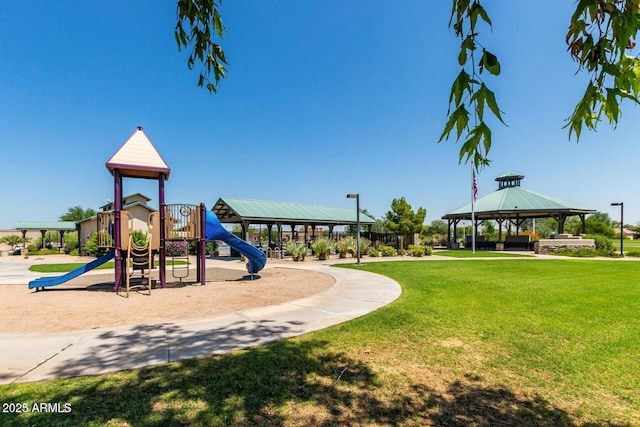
(475,186)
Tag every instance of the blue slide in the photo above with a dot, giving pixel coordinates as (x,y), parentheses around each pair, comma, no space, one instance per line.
(44,282)
(215,231)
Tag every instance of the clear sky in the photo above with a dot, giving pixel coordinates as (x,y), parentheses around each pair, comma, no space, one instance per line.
(323,98)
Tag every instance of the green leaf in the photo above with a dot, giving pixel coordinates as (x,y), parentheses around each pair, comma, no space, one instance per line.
(460,85)
(470,149)
(611,107)
(468,44)
(490,99)
(478,11)
(217,21)
(460,119)
(490,62)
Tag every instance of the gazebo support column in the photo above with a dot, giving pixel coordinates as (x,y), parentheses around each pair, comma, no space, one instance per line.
(561,219)
(24,241)
(269,228)
(584,223)
(279,232)
(500,221)
(455,232)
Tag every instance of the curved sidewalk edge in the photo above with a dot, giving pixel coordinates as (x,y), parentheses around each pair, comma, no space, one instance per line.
(39,356)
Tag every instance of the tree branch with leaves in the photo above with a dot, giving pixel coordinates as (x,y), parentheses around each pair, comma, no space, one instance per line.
(203,23)
(600,39)
(469,89)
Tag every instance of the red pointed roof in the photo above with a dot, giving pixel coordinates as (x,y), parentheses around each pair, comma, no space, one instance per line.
(138,158)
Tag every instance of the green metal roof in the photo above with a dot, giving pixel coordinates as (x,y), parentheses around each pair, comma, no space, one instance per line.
(231,209)
(510,202)
(45,225)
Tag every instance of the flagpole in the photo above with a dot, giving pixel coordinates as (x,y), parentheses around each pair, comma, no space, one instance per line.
(473,214)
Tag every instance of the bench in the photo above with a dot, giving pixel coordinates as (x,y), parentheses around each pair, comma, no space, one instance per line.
(518,242)
(481,243)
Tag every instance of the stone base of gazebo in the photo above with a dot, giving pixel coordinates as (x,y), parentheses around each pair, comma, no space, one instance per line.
(565,241)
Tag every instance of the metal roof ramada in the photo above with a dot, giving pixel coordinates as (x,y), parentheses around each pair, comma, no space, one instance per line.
(234,209)
(45,225)
(510,201)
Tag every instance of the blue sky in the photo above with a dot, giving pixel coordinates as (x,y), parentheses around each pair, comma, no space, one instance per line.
(323,98)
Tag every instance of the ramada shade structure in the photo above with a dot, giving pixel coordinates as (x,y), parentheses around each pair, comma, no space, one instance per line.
(512,203)
(270,213)
(42,226)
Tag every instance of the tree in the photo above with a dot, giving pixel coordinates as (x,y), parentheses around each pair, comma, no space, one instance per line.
(402,220)
(202,21)
(600,35)
(12,240)
(545,227)
(437,226)
(76,214)
(597,223)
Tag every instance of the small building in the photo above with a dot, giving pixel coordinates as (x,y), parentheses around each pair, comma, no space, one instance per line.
(136,204)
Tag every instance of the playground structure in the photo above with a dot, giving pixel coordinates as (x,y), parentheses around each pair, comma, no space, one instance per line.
(173,224)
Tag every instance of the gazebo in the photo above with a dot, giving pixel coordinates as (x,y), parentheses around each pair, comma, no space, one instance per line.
(513,204)
(281,214)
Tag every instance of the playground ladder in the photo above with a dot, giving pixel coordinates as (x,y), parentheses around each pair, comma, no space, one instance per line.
(180,271)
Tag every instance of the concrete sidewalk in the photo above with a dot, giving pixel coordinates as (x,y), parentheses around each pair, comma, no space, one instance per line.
(40,356)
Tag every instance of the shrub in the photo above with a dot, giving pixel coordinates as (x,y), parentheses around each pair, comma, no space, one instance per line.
(579,253)
(70,242)
(365,245)
(139,237)
(345,246)
(322,248)
(417,250)
(91,247)
(297,249)
(176,248)
(387,250)
(604,247)
(211,246)
(633,253)
(373,252)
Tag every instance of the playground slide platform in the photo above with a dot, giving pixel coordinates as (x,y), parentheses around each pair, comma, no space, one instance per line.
(215,231)
(45,282)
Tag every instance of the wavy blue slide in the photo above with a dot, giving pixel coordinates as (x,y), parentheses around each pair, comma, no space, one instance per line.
(45,282)
(215,231)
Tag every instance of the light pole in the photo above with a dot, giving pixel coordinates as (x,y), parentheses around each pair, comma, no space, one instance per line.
(621,204)
(357,197)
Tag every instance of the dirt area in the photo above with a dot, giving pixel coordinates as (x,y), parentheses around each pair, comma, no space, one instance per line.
(89,302)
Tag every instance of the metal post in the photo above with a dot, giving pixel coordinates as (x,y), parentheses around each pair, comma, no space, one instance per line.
(621,204)
(162,254)
(117,207)
(357,197)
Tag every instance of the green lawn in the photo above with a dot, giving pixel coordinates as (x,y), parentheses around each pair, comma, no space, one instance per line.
(469,342)
(467,253)
(66,267)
